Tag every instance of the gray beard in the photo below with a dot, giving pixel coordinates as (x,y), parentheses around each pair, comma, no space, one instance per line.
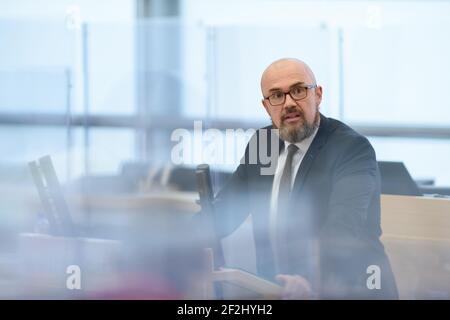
(294,135)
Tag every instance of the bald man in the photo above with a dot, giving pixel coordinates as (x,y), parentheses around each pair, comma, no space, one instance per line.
(316,217)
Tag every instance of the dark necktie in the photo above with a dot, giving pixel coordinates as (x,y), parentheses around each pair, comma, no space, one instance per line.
(286,178)
(284,191)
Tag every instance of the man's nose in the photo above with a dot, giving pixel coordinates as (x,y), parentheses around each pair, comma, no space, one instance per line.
(289,102)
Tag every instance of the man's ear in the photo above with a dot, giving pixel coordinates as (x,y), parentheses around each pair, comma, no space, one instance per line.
(318,92)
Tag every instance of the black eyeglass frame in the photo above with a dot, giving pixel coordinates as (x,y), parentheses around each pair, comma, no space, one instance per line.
(306,86)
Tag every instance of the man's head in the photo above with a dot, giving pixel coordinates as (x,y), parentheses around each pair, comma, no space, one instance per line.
(298,115)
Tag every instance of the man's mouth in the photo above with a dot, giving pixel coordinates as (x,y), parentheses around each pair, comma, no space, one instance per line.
(292,117)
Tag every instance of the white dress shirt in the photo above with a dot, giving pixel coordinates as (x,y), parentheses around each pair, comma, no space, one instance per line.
(296,161)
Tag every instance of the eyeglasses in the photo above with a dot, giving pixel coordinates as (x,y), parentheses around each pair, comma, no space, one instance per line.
(297,92)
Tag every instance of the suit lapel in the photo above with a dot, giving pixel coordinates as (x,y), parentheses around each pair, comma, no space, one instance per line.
(313,150)
(308,159)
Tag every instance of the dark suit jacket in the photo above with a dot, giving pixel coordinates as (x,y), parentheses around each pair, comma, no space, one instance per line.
(334,216)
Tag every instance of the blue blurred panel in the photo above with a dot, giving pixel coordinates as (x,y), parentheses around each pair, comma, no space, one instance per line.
(194,72)
(398,75)
(34,90)
(424,158)
(108,149)
(36,43)
(19,145)
(111,68)
(240,55)
(159,65)
(37,59)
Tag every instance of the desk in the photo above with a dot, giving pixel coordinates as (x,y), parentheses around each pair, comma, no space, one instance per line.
(416,234)
(183,201)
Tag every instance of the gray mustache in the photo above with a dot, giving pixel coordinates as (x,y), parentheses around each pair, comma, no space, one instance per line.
(294,110)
